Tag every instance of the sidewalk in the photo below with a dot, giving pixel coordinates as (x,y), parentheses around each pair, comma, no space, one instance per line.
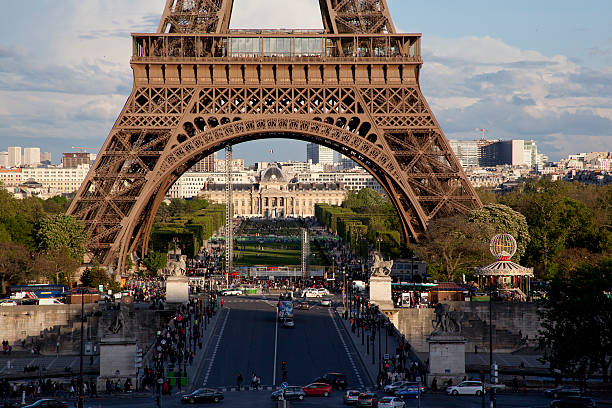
(389,343)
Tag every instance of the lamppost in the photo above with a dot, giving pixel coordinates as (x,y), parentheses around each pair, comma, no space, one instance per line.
(81,394)
(378,241)
(493,374)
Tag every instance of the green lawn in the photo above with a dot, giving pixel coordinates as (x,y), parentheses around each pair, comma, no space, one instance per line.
(271,255)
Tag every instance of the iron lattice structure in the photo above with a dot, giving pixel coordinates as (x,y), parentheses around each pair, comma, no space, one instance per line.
(229,213)
(199,87)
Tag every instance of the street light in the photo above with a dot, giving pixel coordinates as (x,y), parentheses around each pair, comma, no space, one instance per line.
(378,241)
(81,394)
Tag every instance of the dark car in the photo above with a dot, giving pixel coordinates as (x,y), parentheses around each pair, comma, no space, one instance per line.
(302,305)
(202,395)
(573,402)
(290,393)
(336,380)
(563,391)
(367,399)
(47,403)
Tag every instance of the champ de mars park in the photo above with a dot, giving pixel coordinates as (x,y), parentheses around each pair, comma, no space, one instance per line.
(376,203)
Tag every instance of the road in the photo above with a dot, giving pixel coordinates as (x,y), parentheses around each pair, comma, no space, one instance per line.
(249,339)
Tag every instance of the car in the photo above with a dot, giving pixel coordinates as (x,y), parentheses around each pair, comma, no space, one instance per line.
(396,386)
(5,302)
(288,323)
(301,305)
(391,402)
(317,389)
(562,391)
(202,395)
(289,393)
(465,388)
(231,292)
(326,302)
(48,403)
(367,399)
(311,293)
(573,402)
(336,380)
(351,397)
(410,390)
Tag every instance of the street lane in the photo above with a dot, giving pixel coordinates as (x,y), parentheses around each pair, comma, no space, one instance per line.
(313,348)
(247,344)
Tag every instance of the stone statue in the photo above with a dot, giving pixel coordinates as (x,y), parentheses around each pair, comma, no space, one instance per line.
(380,266)
(447,321)
(176,268)
(118,323)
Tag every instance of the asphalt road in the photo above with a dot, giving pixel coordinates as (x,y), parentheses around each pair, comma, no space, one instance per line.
(249,339)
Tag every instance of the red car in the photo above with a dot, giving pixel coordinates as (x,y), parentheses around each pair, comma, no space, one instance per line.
(318,390)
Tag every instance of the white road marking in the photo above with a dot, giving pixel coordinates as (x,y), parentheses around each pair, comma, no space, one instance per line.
(346,349)
(275,348)
(214,354)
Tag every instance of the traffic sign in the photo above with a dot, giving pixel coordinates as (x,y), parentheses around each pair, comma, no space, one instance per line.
(386,357)
(284,385)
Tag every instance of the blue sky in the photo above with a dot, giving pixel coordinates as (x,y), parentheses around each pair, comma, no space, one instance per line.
(522,69)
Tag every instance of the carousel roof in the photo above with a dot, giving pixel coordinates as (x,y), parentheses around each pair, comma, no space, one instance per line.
(504,268)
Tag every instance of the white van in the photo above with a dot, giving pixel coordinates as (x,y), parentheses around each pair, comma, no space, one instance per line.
(49,301)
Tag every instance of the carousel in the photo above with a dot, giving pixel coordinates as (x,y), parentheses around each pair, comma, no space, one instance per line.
(504,274)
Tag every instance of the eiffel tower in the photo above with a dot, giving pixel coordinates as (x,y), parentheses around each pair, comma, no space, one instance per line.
(199,87)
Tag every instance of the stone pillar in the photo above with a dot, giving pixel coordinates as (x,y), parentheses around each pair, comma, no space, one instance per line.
(446,358)
(177,289)
(380,292)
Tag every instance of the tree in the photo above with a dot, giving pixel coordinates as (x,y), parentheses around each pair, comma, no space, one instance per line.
(14,264)
(57,265)
(155,261)
(61,231)
(579,308)
(454,246)
(94,277)
(504,220)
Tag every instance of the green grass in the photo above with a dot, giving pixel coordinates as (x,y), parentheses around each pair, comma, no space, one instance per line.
(272,255)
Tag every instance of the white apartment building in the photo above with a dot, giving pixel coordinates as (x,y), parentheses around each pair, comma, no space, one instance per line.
(55,180)
(31,156)
(237,165)
(4,160)
(45,157)
(190,184)
(14,156)
(354,180)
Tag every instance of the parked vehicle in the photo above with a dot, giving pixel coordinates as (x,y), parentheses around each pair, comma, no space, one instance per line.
(202,395)
(367,399)
(396,386)
(410,390)
(47,403)
(562,391)
(336,380)
(391,402)
(326,302)
(231,292)
(290,393)
(465,388)
(351,397)
(7,302)
(573,402)
(317,390)
(49,301)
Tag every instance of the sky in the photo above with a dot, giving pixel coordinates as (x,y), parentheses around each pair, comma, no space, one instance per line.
(522,69)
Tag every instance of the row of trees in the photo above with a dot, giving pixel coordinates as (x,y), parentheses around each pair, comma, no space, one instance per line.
(38,243)
(189,222)
(364,217)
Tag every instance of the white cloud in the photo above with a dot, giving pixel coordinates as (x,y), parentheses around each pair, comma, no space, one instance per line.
(483,82)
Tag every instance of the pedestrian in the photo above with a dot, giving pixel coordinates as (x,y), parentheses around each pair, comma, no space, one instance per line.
(434,384)
(239,381)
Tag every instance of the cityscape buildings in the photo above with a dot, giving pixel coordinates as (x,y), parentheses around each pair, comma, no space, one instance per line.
(31,156)
(319,154)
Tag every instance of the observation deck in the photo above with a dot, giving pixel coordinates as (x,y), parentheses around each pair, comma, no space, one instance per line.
(274,46)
